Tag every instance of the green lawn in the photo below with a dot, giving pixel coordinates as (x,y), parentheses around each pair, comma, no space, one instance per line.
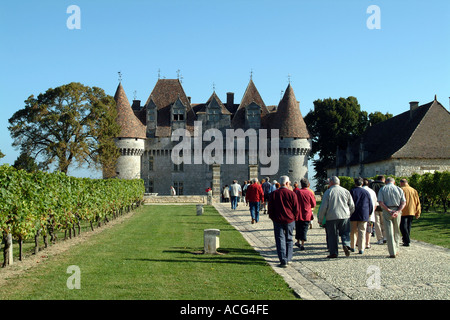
(155,255)
(432,227)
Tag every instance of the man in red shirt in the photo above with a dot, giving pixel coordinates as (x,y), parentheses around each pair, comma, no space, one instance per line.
(284,211)
(254,196)
(306,201)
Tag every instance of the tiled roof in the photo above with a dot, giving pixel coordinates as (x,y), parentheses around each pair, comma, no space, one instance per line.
(251,95)
(288,118)
(131,126)
(201,107)
(421,134)
(431,137)
(164,94)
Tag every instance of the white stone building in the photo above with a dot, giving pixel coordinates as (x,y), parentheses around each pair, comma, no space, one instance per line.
(415,141)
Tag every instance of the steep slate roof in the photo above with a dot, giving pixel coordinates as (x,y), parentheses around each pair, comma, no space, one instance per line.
(131,126)
(201,107)
(164,94)
(430,139)
(421,134)
(288,118)
(251,95)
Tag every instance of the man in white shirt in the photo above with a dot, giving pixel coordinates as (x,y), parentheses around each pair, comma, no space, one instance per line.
(373,196)
(235,192)
(392,199)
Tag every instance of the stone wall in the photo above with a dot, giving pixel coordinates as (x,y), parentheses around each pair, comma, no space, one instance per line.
(407,167)
(175,199)
(196,178)
(396,167)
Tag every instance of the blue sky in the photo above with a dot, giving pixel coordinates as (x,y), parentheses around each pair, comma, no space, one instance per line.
(325,47)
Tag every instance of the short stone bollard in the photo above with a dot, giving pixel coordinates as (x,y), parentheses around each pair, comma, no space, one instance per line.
(211,240)
(199,209)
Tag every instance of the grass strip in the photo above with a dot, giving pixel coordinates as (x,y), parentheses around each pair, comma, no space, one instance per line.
(155,255)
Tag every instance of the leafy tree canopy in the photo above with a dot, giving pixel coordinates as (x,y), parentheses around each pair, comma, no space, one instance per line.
(69,124)
(334,123)
(26,162)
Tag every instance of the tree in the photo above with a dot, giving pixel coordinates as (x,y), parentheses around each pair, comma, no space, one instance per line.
(334,123)
(442,187)
(377,116)
(69,124)
(1,154)
(25,162)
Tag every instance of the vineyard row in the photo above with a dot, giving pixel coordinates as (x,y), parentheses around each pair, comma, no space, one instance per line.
(41,204)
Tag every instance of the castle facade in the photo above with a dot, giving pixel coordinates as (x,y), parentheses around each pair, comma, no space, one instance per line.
(219,142)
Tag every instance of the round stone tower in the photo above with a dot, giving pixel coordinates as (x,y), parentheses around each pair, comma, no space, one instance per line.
(295,140)
(131,140)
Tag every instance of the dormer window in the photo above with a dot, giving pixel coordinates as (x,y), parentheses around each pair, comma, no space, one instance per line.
(253,116)
(213,115)
(178,115)
(152,116)
(178,111)
(151,111)
(213,111)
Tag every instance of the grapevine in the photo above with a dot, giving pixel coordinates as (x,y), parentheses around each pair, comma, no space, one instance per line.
(41,204)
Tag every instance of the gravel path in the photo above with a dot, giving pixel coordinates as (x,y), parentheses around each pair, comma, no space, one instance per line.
(420,272)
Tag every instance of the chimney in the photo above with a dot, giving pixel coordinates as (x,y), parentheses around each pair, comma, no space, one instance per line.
(189,99)
(230,100)
(413,105)
(136,105)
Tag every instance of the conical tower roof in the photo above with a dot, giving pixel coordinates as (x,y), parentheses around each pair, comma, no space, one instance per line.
(131,126)
(288,118)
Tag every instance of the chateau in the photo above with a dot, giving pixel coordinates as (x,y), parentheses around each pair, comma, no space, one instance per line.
(147,140)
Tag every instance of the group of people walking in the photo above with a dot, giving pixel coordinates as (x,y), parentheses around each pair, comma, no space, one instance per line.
(352,216)
(381,204)
(289,207)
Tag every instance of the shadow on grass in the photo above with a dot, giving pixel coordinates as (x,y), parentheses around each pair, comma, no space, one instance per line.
(225,255)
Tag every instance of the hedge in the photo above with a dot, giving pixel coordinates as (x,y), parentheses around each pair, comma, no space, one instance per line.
(433,188)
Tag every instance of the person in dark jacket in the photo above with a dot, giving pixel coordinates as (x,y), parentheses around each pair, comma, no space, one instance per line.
(306,202)
(284,211)
(254,197)
(266,190)
(359,218)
